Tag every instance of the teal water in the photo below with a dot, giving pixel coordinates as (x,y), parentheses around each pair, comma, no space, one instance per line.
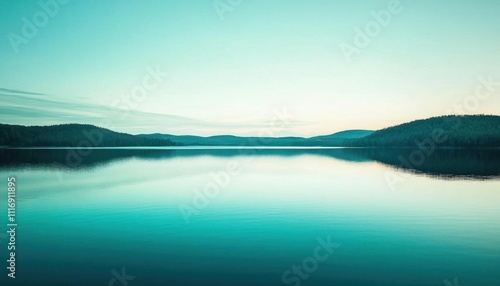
(262,213)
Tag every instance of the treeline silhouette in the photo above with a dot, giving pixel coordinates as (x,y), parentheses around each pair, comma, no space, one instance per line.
(71,135)
(467,131)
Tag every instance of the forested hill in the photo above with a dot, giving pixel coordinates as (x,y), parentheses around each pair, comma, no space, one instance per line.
(338,139)
(470,131)
(71,135)
(467,131)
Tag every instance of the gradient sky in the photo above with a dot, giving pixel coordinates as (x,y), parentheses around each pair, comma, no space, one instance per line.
(230,76)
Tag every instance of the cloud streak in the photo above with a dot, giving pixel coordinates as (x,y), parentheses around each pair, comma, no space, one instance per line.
(33,108)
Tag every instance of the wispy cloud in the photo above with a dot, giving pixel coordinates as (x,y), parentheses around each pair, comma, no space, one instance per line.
(33,108)
(20,91)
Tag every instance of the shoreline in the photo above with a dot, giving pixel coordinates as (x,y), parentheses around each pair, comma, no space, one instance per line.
(240,147)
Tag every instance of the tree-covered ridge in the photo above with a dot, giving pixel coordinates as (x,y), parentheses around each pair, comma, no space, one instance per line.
(467,131)
(338,139)
(71,135)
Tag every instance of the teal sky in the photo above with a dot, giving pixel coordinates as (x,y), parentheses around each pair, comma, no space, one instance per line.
(230,75)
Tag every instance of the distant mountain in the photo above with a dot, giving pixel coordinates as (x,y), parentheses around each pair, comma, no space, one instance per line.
(229,140)
(467,131)
(71,135)
(341,138)
(79,135)
(347,134)
(336,139)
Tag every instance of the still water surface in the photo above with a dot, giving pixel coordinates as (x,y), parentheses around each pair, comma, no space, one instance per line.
(232,217)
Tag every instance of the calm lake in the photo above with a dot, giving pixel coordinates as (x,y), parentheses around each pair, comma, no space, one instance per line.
(253,217)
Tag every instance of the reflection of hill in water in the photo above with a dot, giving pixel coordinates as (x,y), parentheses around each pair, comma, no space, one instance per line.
(459,163)
(71,159)
(450,163)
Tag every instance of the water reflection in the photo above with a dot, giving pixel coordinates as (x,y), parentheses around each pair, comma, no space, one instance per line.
(441,163)
(477,164)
